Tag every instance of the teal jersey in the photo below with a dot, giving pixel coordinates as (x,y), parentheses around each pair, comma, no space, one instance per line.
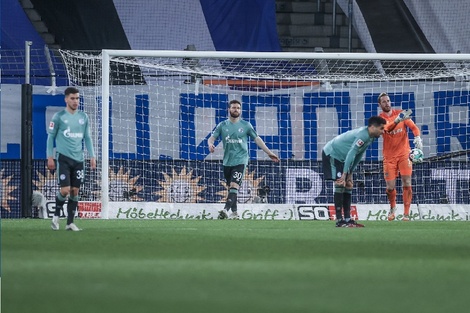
(69,131)
(349,147)
(234,138)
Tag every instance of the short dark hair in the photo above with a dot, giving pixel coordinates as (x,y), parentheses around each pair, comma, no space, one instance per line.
(70,90)
(383,94)
(233,101)
(376,121)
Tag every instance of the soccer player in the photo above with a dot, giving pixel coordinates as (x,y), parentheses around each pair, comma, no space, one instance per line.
(68,129)
(396,149)
(340,157)
(234,133)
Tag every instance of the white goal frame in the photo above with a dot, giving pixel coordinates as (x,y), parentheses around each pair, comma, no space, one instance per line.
(108,54)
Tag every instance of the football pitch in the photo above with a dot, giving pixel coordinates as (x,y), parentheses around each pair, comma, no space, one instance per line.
(234,266)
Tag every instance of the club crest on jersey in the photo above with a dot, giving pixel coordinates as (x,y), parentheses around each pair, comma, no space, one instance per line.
(81,121)
(51,125)
(359,143)
(240,130)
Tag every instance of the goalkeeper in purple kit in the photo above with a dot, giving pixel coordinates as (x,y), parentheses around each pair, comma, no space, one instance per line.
(340,157)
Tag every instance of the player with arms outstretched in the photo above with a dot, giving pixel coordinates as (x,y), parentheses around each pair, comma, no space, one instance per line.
(340,157)
(396,149)
(68,129)
(234,133)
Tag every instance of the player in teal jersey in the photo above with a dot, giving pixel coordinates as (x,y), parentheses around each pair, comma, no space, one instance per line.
(68,129)
(234,133)
(340,157)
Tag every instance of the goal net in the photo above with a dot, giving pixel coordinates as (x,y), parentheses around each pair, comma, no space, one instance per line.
(153,112)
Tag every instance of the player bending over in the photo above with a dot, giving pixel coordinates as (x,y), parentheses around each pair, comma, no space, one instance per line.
(340,157)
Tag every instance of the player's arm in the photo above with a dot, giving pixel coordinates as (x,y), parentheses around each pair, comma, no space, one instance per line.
(213,137)
(418,142)
(210,143)
(89,147)
(356,161)
(260,143)
(390,126)
(354,156)
(51,134)
(50,152)
(403,116)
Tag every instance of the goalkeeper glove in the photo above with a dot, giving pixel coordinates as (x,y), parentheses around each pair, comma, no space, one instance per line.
(404,115)
(418,142)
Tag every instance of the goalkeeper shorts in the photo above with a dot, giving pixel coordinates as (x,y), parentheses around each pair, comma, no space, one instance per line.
(394,166)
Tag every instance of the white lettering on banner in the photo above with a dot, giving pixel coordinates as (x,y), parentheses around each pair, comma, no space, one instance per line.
(308,196)
(311,212)
(451,176)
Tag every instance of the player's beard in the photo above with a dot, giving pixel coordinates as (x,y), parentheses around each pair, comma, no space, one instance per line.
(386,109)
(234,114)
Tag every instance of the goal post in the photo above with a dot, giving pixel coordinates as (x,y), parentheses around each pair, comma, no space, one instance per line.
(153,112)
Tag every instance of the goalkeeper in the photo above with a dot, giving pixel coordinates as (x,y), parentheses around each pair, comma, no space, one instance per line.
(396,149)
(234,133)
(340,157)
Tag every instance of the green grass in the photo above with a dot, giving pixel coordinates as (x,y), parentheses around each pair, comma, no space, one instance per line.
(234,266)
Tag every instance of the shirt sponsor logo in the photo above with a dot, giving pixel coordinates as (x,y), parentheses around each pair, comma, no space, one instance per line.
(395,131)
(234,140)
(359,143)
(68,134)
(229,140)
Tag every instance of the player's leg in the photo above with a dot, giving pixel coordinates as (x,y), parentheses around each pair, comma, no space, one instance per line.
(76,180)
(390,175)
(406,169)
(63,175)
(350,222)
(331,169)
(233,176)
(238,172)
(338,202)
(347,192)
(223,214)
